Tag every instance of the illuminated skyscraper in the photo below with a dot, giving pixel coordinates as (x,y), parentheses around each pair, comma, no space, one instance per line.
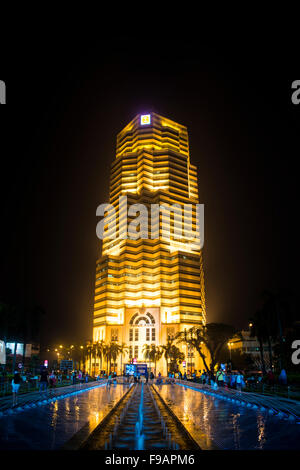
(148,289)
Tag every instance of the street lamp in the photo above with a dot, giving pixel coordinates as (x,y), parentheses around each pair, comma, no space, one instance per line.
(229,346)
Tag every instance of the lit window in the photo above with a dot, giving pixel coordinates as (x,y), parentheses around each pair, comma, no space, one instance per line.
(145,119)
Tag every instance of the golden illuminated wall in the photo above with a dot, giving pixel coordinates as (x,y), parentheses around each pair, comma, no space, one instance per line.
(152,166)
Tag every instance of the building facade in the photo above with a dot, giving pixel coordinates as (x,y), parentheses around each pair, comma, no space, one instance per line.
(149,288)
(246,344)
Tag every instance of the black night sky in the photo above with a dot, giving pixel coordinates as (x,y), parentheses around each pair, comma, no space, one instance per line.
(67,100)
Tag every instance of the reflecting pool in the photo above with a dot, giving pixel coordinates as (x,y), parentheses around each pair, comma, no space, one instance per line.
(218,424)
(51,426)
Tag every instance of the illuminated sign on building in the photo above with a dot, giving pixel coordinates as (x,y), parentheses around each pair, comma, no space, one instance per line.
(145,119)
(2,92)
(19,349)
(2,352)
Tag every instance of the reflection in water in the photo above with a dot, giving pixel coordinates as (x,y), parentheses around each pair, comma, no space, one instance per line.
(261,431)
(236,433)
(50,426)
(213,422)
(54,414)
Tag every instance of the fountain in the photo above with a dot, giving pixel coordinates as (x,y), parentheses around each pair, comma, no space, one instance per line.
(139,436)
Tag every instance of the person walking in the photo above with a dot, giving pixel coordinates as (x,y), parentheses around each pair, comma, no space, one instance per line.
(15,384)
(52,381)
(270,378)
(80,377)
(44,380)
(109,380)
(282,377)
(146,376)
(220,377)
(239,381)
(232,380)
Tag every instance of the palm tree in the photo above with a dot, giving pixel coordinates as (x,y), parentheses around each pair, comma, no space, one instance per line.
(213,335)
(147,353)
(122,349)
(112,351)
(106,354)
(89,352)
(278,317)
(166,348)
(95,353)
(101,351)
(176,356)
(155,354)
(115,351)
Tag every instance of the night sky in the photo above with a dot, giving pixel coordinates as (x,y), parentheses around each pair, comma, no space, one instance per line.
(66,102)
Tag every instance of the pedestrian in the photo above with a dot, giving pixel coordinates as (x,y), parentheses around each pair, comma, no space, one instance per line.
(44,379)
(213,382)
(220,377)
(270,378)
(146,376)
(232,380)
(159,379)
(80,377)
(52,380)
(151,376)
(239,381)
(109,380)
(282,377)
(15,384)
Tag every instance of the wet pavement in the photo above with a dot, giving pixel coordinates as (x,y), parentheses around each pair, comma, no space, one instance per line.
(51,425)
(215,423)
